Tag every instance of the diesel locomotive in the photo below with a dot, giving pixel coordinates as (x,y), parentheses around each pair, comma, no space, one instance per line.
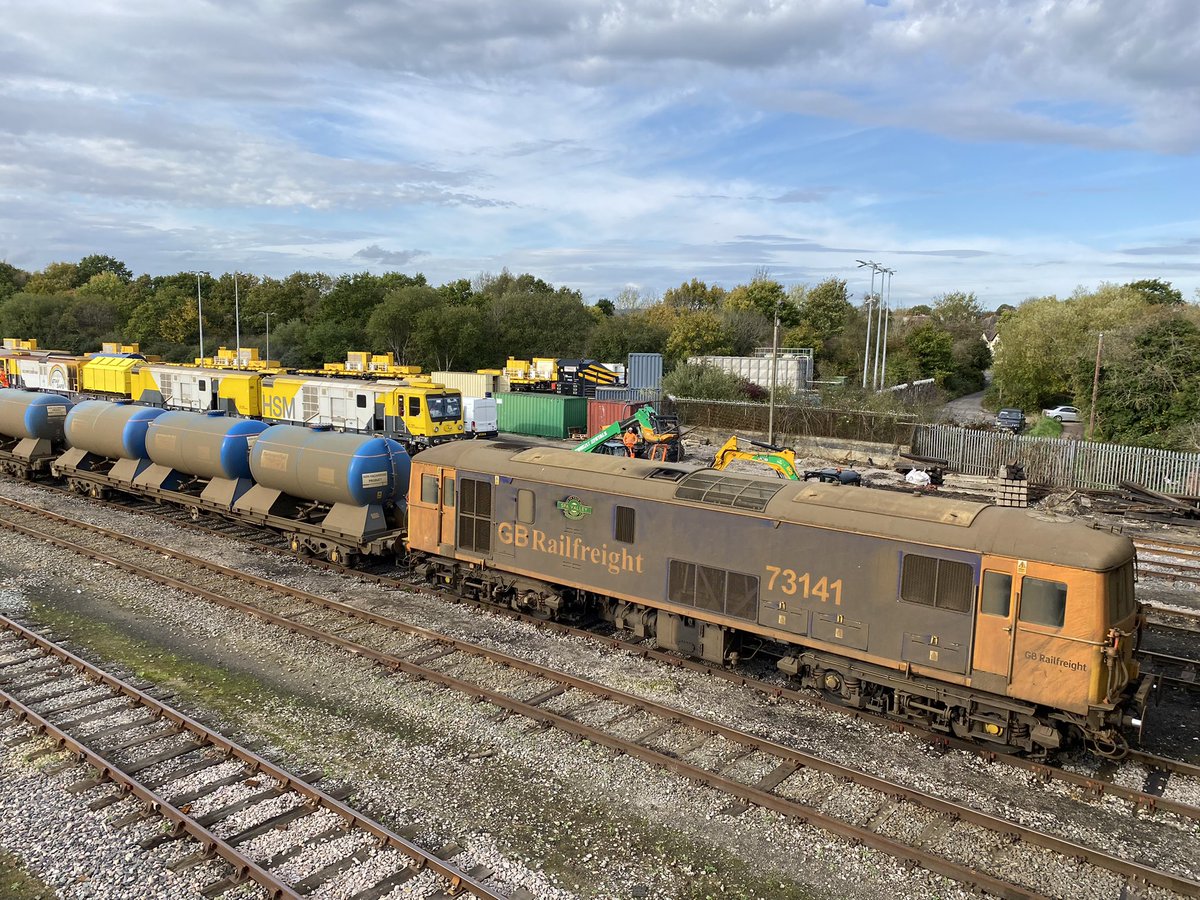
(979,621)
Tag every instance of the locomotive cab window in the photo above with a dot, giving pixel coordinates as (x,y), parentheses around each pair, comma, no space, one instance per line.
(414,406)
(429,489)
(997,594)
(941,583)
(1043,602)
(448,491)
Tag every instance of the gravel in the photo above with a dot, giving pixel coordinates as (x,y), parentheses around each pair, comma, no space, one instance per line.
(430,761)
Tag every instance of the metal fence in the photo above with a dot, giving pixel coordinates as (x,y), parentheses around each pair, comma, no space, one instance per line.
(796,420)
(1060,463)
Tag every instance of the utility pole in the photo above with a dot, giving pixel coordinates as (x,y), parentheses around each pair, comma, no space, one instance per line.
(870,297)
(268,315)
(200,314)
(1095,388)
(774,363)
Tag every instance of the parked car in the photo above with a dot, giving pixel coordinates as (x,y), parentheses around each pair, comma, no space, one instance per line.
(1062,414)
(1011,419)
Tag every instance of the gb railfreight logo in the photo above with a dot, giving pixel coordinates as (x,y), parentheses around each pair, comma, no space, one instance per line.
(574,508)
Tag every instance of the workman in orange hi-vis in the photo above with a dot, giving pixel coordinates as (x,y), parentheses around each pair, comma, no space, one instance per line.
(630,438)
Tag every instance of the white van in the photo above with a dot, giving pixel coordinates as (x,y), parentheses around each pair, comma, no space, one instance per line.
(479,417)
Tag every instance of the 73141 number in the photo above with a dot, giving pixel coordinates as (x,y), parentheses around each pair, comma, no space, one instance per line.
(792,583)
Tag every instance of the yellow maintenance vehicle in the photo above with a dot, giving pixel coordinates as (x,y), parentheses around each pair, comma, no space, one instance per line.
(782,460)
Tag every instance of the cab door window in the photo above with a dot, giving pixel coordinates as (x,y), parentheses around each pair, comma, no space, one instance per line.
(1043,602)
(997,594)
(414,406)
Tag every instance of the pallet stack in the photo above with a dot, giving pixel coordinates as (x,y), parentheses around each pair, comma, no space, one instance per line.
(1012,487)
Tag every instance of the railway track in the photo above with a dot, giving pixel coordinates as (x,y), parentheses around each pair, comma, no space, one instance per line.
(750,769)
(227,799)
(1168,560)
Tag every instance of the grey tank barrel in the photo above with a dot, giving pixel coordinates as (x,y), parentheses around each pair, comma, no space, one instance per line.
(31,415)
(112,429)
(330,466)
(207,446)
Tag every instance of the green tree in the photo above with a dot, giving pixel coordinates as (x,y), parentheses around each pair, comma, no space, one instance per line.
(96,264)
(1150,383)
(694,295)
(930,351)
(39,317)
(393,323)
(56,278)
(703,383)
(698,333)
(1157,291)
(959,313)
(12,280)
(765,296)
(615,337)
(451,336)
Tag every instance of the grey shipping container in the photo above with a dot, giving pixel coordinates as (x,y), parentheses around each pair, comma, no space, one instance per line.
(790,371)
(543,415)
(645,370)
(628,395)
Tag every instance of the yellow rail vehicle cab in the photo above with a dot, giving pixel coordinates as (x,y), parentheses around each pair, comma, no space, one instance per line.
(417,414)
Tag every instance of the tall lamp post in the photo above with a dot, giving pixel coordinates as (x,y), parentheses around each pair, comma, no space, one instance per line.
(887,305)
(774,363)
(200,314)
(870,299)
(237,322)
(268,315)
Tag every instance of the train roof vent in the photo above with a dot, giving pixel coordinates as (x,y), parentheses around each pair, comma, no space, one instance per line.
(708,486)
(662,474)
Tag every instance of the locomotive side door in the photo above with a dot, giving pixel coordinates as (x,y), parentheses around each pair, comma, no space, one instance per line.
(995,617)
(446,507)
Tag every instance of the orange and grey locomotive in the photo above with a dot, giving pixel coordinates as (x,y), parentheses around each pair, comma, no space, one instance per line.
(980,621)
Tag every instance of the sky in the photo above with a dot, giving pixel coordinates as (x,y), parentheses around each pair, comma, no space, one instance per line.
(1012,148)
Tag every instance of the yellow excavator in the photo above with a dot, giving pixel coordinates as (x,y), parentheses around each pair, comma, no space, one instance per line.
(782,460)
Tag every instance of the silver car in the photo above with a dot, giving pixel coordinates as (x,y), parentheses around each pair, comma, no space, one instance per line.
(1062,414)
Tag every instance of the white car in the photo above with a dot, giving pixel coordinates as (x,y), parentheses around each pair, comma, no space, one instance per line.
(1062,414)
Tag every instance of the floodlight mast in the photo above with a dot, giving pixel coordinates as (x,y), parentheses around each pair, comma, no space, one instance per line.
(870,299)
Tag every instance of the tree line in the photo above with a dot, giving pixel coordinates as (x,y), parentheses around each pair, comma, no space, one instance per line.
(1150,363)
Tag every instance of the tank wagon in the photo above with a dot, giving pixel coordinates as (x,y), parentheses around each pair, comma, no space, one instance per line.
(31,431)
(975,620)
(346,490)
(329,493)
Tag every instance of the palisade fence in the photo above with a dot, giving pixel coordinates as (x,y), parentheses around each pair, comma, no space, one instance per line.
(795,420)
(1060,463)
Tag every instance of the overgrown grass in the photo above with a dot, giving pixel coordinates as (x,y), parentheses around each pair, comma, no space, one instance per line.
(17,883)
(1043,427)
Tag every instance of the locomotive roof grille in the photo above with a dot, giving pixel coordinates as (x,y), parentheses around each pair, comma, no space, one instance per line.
(711,487)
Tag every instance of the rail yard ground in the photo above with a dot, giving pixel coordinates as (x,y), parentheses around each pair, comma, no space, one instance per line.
(558,817)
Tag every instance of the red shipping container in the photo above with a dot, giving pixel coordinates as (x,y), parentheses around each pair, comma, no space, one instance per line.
(602,413)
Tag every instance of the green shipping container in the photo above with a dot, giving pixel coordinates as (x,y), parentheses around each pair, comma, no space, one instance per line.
(543,415)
